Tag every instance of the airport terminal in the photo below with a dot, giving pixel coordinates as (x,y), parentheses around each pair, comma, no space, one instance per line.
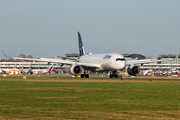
(10,66)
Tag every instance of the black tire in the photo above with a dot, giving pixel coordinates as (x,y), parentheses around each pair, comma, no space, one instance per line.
(86,76)
(115,76)
(120,76)
(82,76)
(111,76)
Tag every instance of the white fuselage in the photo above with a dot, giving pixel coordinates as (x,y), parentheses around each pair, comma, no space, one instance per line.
(35,71)
(108,61)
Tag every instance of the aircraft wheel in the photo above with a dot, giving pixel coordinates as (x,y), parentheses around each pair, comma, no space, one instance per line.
(111,76)
(115,76)
(87,76)
(120,76)
(82,76)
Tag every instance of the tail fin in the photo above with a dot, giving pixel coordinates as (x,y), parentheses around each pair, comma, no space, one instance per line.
(30,65)
(81,47)
(30,68)
(50,68)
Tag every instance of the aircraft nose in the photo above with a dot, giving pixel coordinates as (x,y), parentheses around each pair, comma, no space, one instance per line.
(121,65)
(124,64)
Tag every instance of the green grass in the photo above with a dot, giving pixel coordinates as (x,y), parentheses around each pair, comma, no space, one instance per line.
(88,99)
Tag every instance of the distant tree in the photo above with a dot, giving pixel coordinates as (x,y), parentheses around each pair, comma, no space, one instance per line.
(22,55)
(10,60)
(30,56)
(25,56)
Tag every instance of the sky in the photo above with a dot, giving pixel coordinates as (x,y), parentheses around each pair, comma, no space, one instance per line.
(46,28)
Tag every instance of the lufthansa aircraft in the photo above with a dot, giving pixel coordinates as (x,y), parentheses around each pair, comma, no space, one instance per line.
(107,62)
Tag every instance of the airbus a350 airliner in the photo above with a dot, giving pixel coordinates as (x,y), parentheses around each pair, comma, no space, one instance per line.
(111,62)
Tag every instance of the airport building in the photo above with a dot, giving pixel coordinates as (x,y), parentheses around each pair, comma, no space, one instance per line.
(11,67)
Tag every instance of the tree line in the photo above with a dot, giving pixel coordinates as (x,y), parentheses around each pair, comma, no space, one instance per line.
(13,60)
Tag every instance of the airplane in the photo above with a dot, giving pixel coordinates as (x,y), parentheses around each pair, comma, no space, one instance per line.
(16,70)
(43,71)
(36,71)
(10,71)
(174,70)
(27,70)
(171,71)
(106,62)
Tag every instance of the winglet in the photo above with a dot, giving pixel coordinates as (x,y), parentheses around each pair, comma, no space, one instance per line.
(81,47)
(177,55)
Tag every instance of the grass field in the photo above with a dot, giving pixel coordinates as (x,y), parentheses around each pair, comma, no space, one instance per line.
(92,99)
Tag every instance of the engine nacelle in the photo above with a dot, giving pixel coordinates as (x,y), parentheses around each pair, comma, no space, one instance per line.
(76,69)
(133,70)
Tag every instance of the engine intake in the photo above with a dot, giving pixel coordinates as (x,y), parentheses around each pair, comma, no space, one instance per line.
(133,70)
(76,69)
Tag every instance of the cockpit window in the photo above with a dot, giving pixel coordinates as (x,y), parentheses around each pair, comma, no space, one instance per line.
(120,59)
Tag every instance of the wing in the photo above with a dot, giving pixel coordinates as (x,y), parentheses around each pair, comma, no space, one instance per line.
(145,61)
(68,58)
(66,62)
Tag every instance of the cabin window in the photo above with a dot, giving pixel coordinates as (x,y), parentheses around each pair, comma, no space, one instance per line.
(120,59)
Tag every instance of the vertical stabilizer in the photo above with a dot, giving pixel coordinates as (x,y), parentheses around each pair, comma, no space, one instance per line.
(81,47)
(50,68)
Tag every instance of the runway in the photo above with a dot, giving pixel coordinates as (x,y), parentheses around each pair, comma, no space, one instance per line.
(92,77)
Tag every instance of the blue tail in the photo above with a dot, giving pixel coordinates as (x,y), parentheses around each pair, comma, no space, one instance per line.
(81,47)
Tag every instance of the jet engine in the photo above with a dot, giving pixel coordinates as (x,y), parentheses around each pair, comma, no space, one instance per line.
(133,70)
(76,69)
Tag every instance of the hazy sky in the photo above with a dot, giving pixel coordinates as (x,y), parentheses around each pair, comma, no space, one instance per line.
(44,28)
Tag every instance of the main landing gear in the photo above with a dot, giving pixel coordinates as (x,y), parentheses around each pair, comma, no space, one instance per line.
(85,75)
(115,74)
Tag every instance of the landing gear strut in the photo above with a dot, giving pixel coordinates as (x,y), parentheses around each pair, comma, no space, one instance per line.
(115,74)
